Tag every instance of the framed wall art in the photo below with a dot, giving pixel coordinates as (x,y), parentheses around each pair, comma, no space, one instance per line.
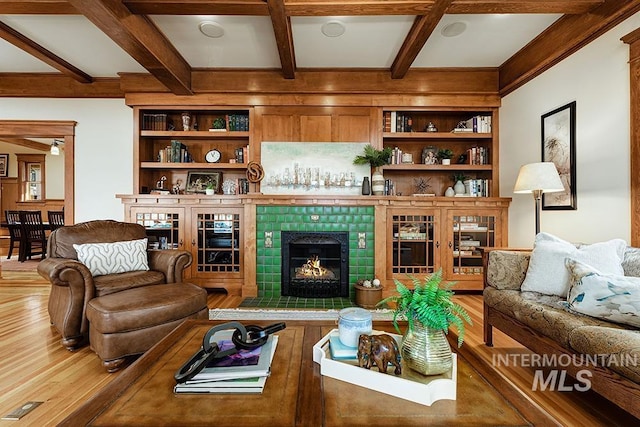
(199,181)
(4,165)
(559,147)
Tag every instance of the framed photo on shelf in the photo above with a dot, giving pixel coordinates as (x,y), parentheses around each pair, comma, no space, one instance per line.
(199,181)
(4,165)
(559,147)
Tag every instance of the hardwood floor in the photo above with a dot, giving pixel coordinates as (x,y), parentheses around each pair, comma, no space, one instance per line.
(35,367)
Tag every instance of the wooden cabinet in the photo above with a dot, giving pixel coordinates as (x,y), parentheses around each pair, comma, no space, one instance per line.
(214,234)
(217,246)
(173,140)
(421,134)
(420,241)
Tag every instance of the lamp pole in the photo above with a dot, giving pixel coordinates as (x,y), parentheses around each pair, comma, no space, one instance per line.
(537,195)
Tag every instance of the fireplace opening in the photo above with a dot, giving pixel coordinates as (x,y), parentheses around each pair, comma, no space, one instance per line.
(315,264)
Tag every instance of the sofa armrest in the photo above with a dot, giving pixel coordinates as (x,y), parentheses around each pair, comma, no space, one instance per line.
(171,262)
(505,268)
(72,287)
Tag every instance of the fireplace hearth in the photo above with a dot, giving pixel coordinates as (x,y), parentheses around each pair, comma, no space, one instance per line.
(315,264)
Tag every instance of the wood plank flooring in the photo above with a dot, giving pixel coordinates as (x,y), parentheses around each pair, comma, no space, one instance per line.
(35,367)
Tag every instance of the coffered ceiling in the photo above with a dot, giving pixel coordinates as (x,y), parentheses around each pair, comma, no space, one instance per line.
(84,47)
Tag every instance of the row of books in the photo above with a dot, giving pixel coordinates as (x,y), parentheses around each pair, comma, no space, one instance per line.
(478,156)
(397,121)
(477,187)
(177,152)
(477,124)
(243,372)
(234,123)
(242,154)
(154,121)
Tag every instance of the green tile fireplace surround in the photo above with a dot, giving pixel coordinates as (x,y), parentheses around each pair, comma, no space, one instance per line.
(273,219)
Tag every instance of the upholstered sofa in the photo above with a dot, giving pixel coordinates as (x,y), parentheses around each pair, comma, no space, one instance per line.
(73,285)
(547,326)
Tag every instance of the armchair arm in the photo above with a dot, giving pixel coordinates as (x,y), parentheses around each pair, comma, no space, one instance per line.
(171,262)
(72,288)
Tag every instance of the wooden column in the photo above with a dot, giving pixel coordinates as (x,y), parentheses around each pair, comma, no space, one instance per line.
(633,40)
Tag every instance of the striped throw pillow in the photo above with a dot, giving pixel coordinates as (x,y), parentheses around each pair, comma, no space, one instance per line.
(110,258)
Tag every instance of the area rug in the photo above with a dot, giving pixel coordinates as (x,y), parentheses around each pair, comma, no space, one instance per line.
(14,265)
(265,314)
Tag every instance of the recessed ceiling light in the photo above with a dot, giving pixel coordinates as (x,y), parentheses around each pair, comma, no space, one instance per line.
(333,29)
(454,29)
(211,29)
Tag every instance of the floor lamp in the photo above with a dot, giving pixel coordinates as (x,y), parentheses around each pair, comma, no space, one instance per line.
(538,178)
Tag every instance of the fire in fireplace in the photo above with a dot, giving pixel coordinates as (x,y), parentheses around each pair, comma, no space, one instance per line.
(315,264)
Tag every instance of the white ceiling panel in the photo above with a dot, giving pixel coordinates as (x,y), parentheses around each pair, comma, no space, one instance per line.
(368,41)
(488,40)
(76,40)
(248,41)
(14,60)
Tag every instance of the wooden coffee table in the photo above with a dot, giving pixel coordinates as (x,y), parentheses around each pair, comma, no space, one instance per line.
(295,393)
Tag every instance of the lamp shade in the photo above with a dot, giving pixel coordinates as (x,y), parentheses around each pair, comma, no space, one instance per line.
(538,176)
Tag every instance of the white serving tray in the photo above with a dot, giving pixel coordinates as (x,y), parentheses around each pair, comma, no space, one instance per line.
(410,385)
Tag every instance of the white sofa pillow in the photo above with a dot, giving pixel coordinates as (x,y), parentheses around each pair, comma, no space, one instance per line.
(609,297)
(117,257)
(547,273)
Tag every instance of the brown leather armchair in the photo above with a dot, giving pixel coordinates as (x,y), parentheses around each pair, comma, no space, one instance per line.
(73,286)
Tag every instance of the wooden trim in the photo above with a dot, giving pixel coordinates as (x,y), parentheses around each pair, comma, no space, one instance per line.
(50,129)
(284,37)
(51,85)
(633,40)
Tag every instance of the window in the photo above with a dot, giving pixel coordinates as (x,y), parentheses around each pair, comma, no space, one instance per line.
(31,176)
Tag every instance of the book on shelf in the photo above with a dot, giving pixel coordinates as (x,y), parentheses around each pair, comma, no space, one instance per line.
(243,364)
(229,383)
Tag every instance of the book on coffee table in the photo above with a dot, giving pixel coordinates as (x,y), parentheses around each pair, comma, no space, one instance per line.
(230,382)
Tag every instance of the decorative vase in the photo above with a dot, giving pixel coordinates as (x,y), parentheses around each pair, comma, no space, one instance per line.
(426,350)
(450,192)
(366,186)
(377,182)
(446,161)
(459,187)
(367,297)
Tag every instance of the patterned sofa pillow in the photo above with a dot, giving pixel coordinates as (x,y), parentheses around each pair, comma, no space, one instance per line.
(110,258)
(614,298)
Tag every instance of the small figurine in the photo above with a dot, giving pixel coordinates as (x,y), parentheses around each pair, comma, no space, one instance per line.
(378,350)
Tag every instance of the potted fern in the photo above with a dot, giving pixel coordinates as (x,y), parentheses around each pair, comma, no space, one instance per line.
(375,158)
(429,312)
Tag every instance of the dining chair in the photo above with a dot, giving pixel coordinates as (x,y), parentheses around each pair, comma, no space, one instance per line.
(34,237)
(15,236)
(56,219)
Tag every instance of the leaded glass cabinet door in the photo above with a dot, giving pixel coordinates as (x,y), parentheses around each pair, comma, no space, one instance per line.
(217,242)
(413,237)
(164,226)
(468,232)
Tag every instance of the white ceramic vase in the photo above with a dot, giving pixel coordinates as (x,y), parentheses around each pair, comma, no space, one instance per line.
(459,187)
(450,192)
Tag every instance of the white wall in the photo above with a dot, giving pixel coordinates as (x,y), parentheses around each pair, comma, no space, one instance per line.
(103,148)
(597,78)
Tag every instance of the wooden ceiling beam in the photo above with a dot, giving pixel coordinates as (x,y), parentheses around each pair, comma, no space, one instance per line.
(418,35)
(22,42)
(28,143)
(309,8)
(56,85)
(141,39)
(563,38)
(284,38)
